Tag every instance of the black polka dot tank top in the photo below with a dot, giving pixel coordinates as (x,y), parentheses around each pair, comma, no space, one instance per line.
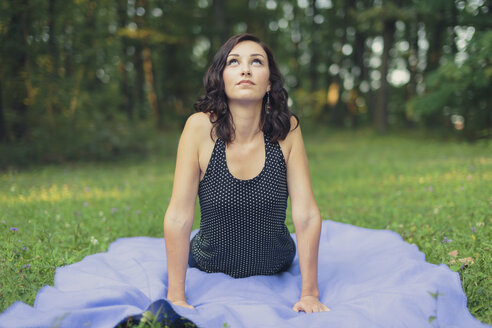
(242,229)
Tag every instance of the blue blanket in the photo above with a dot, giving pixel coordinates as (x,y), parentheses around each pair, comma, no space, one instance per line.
(369,278)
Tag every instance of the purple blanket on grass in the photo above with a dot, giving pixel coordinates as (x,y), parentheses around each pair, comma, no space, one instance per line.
(369,278)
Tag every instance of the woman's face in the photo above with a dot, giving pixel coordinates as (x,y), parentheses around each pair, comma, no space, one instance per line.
(246,74)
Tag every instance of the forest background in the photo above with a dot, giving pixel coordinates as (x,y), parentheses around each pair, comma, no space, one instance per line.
(89,80)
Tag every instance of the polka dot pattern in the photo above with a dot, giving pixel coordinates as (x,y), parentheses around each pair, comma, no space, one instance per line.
(242,229)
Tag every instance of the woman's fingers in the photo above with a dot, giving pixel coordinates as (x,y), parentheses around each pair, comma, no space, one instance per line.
(325,308)
(310,307)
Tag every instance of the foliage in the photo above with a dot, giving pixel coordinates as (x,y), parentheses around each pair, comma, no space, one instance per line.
(435,194)
(460,90)
(81,140)
(126,63)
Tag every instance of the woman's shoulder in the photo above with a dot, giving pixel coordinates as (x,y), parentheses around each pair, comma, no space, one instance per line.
(199,120)
(295,130)
(292,137)
(199,123)
(197,128)
(294,123)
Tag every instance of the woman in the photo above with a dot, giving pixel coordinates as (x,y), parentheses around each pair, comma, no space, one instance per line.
(240,154)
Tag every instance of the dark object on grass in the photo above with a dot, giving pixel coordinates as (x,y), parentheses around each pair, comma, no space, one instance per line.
(160,311)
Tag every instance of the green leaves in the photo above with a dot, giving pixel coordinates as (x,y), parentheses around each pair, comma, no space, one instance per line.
(461,88)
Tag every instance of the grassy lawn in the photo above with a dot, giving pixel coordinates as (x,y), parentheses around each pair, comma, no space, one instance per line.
(436,194)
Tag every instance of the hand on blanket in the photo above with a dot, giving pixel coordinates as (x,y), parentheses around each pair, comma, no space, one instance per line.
(183,303)
(310,304)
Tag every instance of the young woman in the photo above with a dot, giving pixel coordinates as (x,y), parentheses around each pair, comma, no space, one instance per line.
(243,155)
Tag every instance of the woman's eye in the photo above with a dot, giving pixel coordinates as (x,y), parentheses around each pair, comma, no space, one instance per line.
(234,61)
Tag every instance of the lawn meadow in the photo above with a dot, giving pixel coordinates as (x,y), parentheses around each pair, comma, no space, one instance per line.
(436,194)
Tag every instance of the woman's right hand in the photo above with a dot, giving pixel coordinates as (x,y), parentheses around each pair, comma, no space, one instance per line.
(183,303)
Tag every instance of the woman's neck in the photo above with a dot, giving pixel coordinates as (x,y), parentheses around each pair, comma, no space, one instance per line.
(246,118)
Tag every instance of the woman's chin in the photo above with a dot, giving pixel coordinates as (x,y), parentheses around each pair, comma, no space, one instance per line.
(245,97)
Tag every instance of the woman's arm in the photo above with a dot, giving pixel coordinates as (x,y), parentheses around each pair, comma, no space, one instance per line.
(307,222)
(178,220)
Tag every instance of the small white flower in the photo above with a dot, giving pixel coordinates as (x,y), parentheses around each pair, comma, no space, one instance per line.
(101,213)
(94,241)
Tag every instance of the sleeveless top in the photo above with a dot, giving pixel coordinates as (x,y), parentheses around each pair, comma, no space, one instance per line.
(242,228)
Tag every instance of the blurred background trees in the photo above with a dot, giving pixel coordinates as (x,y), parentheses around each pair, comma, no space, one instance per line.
(93,79)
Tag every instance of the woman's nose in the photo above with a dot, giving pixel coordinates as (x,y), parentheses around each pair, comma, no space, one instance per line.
(245,70)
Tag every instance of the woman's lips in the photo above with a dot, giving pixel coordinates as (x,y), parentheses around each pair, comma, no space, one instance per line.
(246,82)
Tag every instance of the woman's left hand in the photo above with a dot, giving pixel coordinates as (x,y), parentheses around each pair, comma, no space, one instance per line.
(310,304)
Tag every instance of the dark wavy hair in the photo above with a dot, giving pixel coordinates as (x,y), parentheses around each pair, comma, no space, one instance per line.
(276,124)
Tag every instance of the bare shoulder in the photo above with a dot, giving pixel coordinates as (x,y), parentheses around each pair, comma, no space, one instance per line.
(293,137)
(197,131)
(198,120)
(197,127)
(295,127)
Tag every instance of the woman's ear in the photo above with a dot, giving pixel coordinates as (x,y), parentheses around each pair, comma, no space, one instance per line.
(269,86)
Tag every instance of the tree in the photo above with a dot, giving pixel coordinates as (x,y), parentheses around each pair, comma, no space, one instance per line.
(458,93)
(15,64)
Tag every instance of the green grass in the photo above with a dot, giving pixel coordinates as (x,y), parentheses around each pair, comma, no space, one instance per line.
(425,189)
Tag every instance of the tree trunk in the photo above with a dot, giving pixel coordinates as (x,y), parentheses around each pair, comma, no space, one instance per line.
(138,62)
(52,37)
(359,59)
(54,60)
(363,73)
(412,64)
(453,23)
(297,53)
(3,125)
(313,65)
(126,104)
(149,79)
(220,23)
(89,59)
(139,80)
(68,49)
(412,59)
(339,111)
(435,45)
(17,34)
(381,111)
